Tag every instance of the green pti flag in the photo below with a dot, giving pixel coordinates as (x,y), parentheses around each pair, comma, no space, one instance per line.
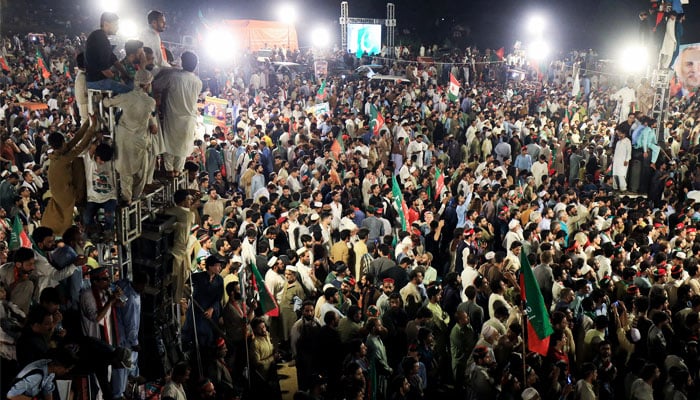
(268,304)
(41,65)
(338,146)
(376,119)
(321,94)
(539,328)
(18,236)
(398,200)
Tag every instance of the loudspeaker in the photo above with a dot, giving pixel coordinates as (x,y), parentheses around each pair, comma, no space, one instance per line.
(151,245)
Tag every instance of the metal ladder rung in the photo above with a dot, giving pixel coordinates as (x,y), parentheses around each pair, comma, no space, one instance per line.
(107,113)
(129,219)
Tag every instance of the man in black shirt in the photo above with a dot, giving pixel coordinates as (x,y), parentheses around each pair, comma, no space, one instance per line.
(100,58)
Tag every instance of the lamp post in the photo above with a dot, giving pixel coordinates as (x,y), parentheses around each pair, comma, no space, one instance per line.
(288,15)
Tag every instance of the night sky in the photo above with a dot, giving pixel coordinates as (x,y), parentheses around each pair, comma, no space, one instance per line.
(579,24)
(600,24)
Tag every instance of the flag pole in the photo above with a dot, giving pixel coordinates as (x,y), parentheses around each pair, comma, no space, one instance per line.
(524,328)
(242,278)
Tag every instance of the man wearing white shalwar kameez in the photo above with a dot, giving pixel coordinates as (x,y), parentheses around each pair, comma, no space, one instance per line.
(133,140)
(184,220)
(151,39)
(668,46)
(625,98)
(621,159)
(179,90)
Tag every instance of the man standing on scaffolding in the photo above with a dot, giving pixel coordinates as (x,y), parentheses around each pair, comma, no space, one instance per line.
(179,90)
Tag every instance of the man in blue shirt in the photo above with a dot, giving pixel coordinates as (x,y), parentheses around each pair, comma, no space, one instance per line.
(128,323)
(38,379)
(523,162)
(648,141)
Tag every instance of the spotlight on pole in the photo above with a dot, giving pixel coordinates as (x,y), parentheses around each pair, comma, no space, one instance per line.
(634,58)
(320,37)
(536,25)
(287,13)
(538,50)
(109,5)
(128,29)
(220,45)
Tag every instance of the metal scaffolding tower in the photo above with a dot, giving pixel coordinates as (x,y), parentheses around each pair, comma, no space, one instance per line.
(660,80)
(115,251)
(390,26)
(344,24)
(389,23)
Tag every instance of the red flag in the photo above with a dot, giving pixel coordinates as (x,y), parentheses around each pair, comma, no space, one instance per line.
(267,301)
(338,146)
(4,65)
(377,120)
(41,66)
(44,72)
(539,328)
(501,53)
(439,182)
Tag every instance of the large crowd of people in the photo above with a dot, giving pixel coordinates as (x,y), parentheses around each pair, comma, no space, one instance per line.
(377,246)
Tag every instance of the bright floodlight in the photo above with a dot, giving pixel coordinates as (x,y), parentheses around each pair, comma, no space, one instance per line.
(538,50)
(220,45)
(536,25)
(320,37)
(128,29)
(287,13)
(109,5)
(634,58)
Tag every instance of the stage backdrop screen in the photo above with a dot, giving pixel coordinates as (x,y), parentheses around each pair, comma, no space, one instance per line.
(364,38)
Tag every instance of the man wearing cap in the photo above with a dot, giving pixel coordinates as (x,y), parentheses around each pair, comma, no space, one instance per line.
(399,273)
(206,244)
(515,233)
(306,271)
(207,292)
(135,130)
(282,239)
(677,279)
(290,300)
